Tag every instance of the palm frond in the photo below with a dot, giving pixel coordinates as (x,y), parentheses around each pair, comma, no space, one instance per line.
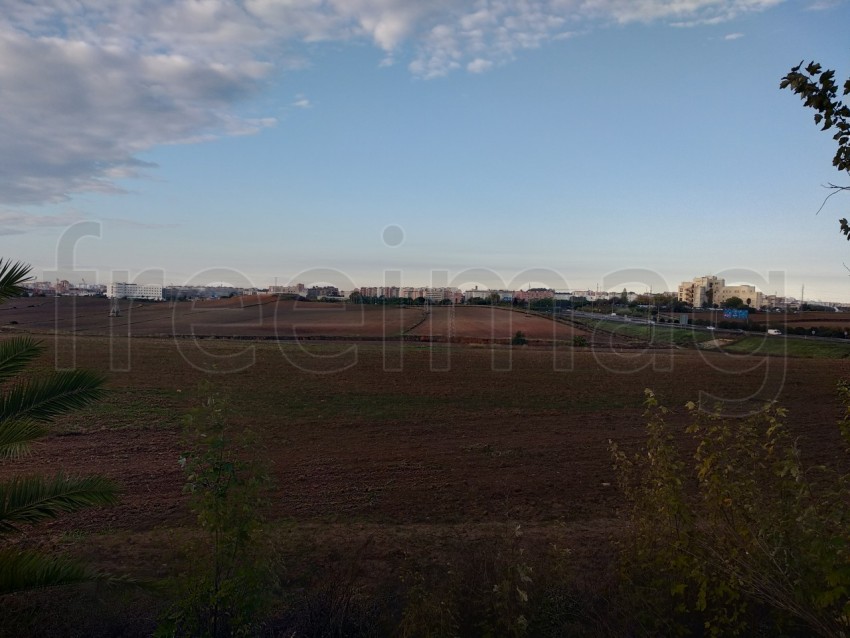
(16,436)
(12,275)
(15,354)
(30,499)
(46,398)
(24,570)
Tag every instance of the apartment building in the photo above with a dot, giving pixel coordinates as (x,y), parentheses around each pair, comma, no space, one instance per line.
(710,290)
(700,291)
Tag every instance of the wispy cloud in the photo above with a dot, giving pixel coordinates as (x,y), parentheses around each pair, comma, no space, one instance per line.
(87,86)
(825,5)
(13,222)
(18,223)
(132,223)
(733,36)
(301,102)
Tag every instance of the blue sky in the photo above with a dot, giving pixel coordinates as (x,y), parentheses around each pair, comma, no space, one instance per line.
(217,140)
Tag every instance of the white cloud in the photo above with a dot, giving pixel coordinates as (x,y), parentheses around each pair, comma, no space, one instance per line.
(479,65)
(88,85)
(301,102)
(733,36)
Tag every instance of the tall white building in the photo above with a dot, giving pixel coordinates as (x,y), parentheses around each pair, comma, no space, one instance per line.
(122,290)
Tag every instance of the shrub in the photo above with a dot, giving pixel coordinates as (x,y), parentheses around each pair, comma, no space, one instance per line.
(230,581)
(739,538)
(519,339)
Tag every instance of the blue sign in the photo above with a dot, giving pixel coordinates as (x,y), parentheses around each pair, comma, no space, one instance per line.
(735,314)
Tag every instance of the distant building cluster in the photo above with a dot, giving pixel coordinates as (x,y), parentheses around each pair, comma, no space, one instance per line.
(64,287)
(476,294)
(313,293)
(707,291)
(430,294)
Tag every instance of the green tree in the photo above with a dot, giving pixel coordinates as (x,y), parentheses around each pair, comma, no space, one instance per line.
(819,91)
(26,407)
(734,302)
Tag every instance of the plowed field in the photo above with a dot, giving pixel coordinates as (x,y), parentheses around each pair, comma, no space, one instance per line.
(404,444)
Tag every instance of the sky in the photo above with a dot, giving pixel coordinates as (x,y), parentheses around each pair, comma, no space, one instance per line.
(572,144)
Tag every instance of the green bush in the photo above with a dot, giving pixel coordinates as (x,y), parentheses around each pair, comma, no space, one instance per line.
(740,537)
(228,587)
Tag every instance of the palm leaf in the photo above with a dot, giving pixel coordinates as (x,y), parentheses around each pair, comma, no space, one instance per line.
(15,354)
(46,398)
(15,437)
(12,275)
(32,499)
(23,570)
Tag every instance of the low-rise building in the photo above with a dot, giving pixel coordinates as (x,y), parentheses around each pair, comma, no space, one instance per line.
(123,290)
(534,294)
(748,294)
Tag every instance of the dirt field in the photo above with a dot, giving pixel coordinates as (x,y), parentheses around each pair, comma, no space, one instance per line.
(436,435)
(408,446)
(265,316)
(487,323)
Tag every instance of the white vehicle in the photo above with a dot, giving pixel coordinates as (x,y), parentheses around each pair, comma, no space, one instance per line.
(774,331)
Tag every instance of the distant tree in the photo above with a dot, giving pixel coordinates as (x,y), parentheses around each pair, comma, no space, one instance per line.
(818,90)
(519,339)
(355,297)
(734,302)
(542,304)
(495,298)
(709,298)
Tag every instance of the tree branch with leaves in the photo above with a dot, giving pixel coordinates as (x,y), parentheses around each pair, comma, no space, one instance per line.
(819,91)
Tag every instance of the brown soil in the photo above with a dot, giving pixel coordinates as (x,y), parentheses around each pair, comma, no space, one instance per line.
(407,445)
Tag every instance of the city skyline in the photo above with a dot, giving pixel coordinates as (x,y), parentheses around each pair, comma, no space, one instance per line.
(64,287)
(269,140)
